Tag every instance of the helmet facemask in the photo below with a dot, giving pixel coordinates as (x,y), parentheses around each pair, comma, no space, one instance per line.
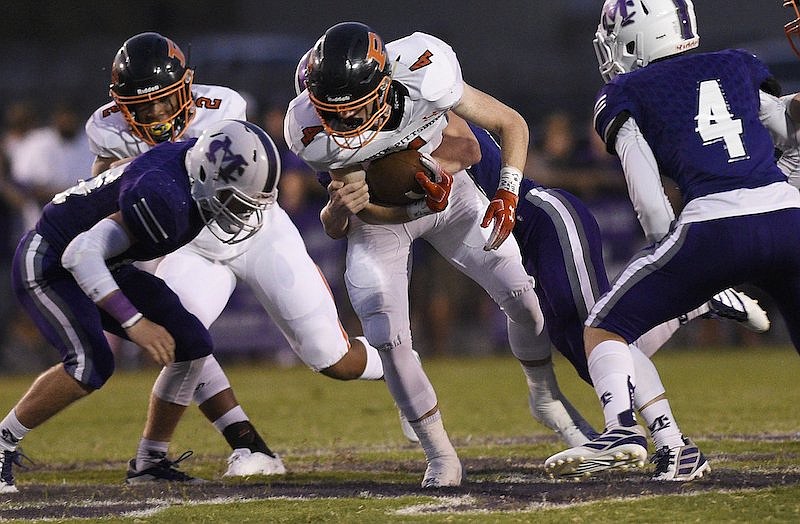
(366,117)
(792,29)
(168,129)
(238,215)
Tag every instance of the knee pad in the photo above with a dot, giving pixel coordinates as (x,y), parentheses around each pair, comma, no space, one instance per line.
(211,381)
(177,381)
(523,308)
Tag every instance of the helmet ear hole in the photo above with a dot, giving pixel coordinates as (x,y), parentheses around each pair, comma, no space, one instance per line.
(201,174)
(630,47)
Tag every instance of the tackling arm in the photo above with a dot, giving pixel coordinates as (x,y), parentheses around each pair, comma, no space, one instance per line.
(496,117)
(85,257)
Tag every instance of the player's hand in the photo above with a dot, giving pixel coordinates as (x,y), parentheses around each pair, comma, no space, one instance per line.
(348,199)
(502,210)
(436,183)
(154,339)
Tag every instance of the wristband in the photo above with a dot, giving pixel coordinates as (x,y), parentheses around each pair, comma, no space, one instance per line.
(510,177)
(132,321)
(118,306)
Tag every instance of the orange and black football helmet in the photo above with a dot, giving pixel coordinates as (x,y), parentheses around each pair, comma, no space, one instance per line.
(147,68)
(348,77)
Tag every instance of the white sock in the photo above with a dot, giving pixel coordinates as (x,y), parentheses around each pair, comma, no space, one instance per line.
(433,437)
(549,406)
(150,452)
(235,414)
(611,369)
(662,425)
(373,369)
(11,432)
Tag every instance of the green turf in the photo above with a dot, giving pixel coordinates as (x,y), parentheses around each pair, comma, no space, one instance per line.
(718,396)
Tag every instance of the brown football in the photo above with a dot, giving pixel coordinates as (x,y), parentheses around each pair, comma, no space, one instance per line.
(391,178)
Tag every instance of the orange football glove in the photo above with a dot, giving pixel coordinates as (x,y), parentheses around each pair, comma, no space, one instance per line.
(502,209)
(436,183)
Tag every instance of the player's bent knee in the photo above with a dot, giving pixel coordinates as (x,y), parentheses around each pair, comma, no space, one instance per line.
(177,381)
(524,309)
(350,366)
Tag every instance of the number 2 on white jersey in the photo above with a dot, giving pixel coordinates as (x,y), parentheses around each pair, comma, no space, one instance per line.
(715,122)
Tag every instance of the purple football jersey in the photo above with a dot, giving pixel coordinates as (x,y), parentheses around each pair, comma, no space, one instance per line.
(153,194)
(699,114)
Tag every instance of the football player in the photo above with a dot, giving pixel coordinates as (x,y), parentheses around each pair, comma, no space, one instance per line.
(562,249)
(156,101)
(73,273)
(363,100)
(695,119)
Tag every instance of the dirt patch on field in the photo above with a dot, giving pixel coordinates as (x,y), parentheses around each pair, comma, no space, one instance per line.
(493,485)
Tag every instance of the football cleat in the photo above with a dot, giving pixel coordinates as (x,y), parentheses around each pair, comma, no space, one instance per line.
(735,305)
(617,448)
(442,472)
(7,461)
(680,464)
(164,470)
(243,463)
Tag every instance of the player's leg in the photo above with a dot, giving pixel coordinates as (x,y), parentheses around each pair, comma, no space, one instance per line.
(175,385)
(669,271)
(71,322)
(295,294)
(250,455)
(377,283)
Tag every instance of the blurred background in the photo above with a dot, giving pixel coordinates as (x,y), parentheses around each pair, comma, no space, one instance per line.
(535,56)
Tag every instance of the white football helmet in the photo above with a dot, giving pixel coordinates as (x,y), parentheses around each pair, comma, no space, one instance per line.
(633,33)
(235,168)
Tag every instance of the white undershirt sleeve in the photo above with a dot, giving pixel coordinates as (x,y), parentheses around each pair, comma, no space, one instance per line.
(646,192)
(85,257)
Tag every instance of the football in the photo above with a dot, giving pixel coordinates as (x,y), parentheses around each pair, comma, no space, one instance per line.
(391,178)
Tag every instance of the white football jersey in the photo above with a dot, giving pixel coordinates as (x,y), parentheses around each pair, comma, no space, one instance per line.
(110,135)
(431,74)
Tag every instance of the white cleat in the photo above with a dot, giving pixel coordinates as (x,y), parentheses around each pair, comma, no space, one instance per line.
(680,464)
(735,305)
(244,463)
(443,472)
(618,448)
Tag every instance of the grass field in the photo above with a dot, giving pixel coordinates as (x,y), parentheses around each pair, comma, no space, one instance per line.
(348,460)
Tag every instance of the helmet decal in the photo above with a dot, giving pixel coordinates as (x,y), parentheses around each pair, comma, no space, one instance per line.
(610,11)
(686,22)
(376,51)
(231,166)
(173,51)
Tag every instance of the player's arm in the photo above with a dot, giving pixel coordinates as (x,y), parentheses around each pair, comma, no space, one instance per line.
(646,192)
(85,257)
(346,198)
(459,148)
(504,122)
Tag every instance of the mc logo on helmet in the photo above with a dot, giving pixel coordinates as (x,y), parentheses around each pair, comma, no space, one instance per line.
(231,166)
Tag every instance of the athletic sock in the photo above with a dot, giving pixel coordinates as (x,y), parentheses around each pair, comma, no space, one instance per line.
(611,369)
(244,435)
(662,426)
(11,432)
(149,452)
(373,369)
